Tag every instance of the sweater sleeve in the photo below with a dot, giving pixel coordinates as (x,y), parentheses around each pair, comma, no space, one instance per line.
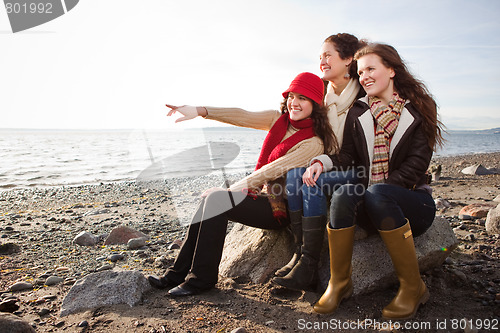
(262,120)
(298,156)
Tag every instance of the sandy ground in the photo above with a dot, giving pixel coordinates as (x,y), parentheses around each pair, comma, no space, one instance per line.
(43,223)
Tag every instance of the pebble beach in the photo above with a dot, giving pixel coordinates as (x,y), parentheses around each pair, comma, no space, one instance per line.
(38,227)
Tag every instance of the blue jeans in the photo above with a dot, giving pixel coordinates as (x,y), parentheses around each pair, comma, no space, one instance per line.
(386,206)
(313,199)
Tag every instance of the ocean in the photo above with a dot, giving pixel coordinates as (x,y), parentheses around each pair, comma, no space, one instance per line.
(45,158)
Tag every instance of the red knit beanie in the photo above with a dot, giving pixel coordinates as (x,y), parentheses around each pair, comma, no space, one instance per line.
(309,85)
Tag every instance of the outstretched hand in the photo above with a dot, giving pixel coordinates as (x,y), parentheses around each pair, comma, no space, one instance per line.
(187,111)
(312,173)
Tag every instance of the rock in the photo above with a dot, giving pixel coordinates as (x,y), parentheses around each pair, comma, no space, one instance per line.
(136,243)
(493,221)
(13,324)
(477,210)
(105,288)
(257,254)
(497,198)
(9,248)
(53,280)
(9,305)
(239,330)
(18,286)
(122,234)
(478,169)
(85,239)
(442,204)
(435,171)
(176,244)
(115,257)
(254,253)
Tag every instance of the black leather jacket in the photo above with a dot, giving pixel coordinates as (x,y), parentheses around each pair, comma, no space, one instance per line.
(410,152)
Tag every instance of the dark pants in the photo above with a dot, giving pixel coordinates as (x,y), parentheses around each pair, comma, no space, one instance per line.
(386,206)
(197,263)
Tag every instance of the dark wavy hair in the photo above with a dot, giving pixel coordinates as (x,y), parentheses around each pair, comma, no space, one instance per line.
(347,45)
(322,126)
(409,87)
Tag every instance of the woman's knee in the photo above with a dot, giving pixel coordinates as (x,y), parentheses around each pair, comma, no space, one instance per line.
(376,196)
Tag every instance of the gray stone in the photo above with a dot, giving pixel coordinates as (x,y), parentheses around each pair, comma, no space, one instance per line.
(256,254)
(478,169)
(103,289)
(85,239)
(493,221)
(18,286)
(136,243)
(52,280)
(13,324)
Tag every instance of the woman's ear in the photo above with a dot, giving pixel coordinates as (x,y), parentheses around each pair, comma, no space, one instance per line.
(393,73)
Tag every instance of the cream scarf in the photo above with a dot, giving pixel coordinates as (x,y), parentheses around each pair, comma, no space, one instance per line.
(339,105)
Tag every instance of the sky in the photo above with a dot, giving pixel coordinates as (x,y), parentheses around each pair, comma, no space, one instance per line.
(113,64)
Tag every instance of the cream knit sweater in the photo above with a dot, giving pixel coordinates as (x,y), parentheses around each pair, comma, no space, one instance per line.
(298,156)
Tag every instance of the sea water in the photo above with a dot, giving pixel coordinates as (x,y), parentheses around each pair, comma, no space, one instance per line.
(41,158)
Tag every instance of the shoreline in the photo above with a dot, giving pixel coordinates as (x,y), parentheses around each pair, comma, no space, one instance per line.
(436,159)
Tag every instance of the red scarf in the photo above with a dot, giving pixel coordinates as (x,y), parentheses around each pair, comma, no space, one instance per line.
(273,148)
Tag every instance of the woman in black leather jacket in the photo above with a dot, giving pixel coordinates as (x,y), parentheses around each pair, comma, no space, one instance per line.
(391,133)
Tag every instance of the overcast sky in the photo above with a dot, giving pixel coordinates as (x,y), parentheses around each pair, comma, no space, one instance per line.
(115,63)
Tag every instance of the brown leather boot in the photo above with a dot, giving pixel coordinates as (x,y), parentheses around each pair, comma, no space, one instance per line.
(296,228)
(412,290)
(340,242)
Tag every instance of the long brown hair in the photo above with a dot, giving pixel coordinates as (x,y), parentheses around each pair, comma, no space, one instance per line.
(409,87)
(322,127)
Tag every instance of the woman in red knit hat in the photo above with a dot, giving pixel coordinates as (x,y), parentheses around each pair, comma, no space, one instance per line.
(296,134)
(307,201)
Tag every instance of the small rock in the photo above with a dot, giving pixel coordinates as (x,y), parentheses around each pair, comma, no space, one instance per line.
(136,243)
(122,234)
(115,257)
(477,169)
(53,280)
(104,268)
(477,210)
(239,330)
(9,248)
(83,324)
(85,239)
(9,306)
(176,244)
(13,324)
(18,286)
(43,312)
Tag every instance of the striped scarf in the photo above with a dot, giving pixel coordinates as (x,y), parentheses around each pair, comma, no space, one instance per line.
(386,120)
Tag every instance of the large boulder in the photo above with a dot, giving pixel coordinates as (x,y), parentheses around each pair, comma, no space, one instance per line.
(105,288)
(493,221)
(256,254)
(13,324)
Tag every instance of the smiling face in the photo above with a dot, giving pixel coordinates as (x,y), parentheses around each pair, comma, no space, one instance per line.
(375,77)
(332,66)
(299,107)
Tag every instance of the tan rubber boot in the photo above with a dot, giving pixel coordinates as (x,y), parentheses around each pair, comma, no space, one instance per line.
(340,242)
(412,290)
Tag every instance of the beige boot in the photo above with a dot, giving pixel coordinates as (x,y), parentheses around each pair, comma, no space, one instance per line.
(340,242)
(412,290)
